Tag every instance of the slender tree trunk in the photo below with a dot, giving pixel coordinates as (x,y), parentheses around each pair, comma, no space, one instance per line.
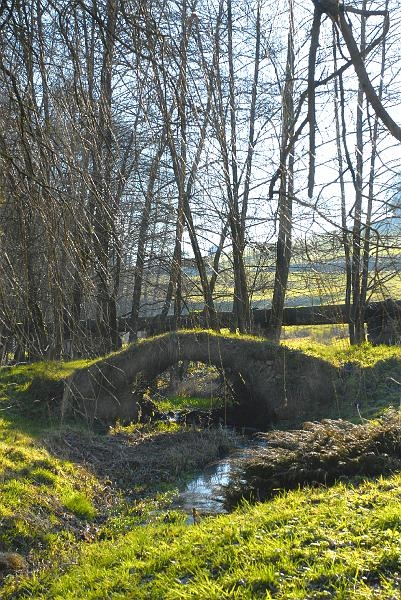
(143,232)
(185,179)
(103,195)
(371,186)
(344,228)
(241,297)
(357,320)
(286,193)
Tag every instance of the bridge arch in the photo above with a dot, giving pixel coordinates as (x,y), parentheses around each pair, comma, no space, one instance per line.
(271,381)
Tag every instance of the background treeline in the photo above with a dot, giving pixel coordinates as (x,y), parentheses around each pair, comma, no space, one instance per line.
(162,156)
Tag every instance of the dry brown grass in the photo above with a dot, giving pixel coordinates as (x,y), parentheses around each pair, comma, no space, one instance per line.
(11,562)
(141,460)
(318,454)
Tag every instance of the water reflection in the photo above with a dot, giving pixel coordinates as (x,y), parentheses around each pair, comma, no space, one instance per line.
(205,491)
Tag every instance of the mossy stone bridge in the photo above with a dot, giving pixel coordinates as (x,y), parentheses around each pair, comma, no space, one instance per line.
(270,381)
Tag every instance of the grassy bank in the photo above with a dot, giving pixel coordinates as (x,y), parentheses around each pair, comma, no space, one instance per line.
(89,516)
(342,542)
(63,487)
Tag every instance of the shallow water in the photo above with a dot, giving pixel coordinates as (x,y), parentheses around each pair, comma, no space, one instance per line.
(205,492)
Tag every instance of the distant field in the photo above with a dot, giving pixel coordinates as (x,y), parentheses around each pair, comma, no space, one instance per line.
(304,288)
(324,334)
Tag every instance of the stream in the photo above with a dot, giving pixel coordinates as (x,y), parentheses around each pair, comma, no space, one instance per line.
(205,491)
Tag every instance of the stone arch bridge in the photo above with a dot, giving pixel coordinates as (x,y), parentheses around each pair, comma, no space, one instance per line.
(270,381)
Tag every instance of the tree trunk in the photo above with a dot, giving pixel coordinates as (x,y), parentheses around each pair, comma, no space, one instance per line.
(286,193)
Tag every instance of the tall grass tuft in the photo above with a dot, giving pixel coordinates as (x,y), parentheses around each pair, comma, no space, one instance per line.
(80,505)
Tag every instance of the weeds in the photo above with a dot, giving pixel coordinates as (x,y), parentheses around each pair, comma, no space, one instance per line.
(319,454)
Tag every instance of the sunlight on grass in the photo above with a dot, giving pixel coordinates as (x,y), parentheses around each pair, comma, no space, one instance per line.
(172,403)
(341,542)
(47,369)
(79,504)
(340,352)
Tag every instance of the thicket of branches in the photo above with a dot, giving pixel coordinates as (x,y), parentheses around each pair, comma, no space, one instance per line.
(160,156)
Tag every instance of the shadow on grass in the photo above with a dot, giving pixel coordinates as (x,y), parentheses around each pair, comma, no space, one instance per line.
(364,393)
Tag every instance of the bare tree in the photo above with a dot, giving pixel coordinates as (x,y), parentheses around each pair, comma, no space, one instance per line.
(286,192)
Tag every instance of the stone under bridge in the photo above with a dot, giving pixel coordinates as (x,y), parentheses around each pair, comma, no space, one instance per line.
(270,381)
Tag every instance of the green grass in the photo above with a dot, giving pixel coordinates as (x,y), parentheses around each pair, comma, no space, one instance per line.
(341,542)
(177,402)
(79,504)
(339,351)
(34,513)
(41,496)
(84,538)
(51,370)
